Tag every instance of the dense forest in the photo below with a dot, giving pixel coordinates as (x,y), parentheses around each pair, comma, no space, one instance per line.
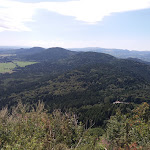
(103,99)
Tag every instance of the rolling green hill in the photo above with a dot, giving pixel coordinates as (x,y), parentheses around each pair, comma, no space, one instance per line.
(87,83)
(119,53)
(42,55)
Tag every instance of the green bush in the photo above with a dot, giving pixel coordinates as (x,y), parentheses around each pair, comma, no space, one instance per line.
(35,129)
(130,131)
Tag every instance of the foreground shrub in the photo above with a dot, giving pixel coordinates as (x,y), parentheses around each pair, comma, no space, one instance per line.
(37,130)
(130,131)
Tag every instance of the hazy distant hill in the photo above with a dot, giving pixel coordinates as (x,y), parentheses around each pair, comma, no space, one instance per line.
(9,49)
(120,53)
(28,51)
(85,58)
(42,55)
(51,54)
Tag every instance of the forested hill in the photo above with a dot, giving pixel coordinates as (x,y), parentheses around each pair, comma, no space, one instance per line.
(85,82)
(41,55)
(119,53)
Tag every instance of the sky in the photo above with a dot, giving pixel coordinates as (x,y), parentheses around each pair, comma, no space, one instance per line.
(122,24)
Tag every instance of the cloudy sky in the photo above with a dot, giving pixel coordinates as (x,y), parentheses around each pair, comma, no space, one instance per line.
(76,23)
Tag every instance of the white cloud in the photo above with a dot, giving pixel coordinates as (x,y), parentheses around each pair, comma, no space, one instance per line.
(92,11)
(14,14)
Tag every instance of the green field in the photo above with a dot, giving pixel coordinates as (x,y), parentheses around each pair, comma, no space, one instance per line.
(8,67)
(23,63)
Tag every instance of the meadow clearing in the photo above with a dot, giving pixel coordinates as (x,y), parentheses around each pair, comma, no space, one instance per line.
(10,66)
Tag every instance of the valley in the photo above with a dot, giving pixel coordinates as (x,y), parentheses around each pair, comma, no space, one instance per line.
(84,83)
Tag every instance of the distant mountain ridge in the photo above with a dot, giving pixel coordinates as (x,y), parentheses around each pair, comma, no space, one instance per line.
(120,53)
(50,54)
(40,54)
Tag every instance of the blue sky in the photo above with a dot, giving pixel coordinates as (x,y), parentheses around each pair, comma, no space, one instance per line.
(76,23)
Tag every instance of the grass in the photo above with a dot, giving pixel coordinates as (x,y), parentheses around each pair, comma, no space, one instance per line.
(8,67)
(23,63)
